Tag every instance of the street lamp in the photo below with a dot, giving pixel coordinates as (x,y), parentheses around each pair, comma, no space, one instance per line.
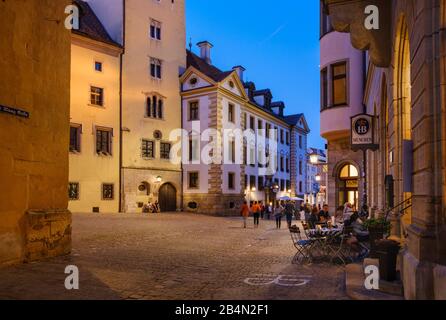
(159,179)
(314,159)
(318,178)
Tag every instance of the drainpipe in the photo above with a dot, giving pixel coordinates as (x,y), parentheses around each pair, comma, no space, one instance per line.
(121,209)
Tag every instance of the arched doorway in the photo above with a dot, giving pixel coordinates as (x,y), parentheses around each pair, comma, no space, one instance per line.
(167,198)
(348,185)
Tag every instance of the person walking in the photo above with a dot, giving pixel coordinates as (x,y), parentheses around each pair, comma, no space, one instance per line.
(256,212)
(262,210)
(278,211)
(289,213)
(245,214)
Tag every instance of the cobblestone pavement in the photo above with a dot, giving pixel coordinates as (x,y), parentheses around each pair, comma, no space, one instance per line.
(172,256)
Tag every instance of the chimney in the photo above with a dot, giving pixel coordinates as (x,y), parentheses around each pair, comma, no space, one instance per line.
(205,53)
(239,70)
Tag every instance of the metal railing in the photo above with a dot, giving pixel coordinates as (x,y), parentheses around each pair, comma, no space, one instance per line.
(406,204)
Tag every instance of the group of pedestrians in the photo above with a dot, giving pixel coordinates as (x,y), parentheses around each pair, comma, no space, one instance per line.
(259,210)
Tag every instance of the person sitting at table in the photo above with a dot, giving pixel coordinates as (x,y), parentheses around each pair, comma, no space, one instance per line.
(324,215)
(348,212)
(360,234)
(313,220)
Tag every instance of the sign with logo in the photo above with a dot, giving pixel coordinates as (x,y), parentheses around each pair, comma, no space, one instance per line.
(363,132)
(14,112)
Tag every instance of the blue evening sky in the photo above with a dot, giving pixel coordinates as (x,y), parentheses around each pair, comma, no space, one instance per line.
(276,41)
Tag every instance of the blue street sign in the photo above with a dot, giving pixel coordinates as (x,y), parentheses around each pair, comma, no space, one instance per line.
(14,112)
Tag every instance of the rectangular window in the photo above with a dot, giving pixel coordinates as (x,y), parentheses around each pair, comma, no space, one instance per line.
(246,181)
(261,183)
(231,181)
(268,129)
(281,137)
(260,125)
(165,150)
(108,191)
(324,89)
(98,66)
(282,167)
(287,138)
(300,186)
(282,185)
(252,123)
(148,149)
(339,83)
(252,182)
(155,30)
(97,96)
(104,141)
(300,167)
(193,180)
(75,137)
(288,185)
(287,165)
(194,111)
(231,113)
(300,142)
(73,191)
(155,68)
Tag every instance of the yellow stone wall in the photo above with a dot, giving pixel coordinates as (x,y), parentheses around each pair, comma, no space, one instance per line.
(35,77)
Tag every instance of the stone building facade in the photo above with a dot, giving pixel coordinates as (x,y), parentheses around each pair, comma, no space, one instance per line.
(221,100)
(405,88)
(35,78)
(94,116)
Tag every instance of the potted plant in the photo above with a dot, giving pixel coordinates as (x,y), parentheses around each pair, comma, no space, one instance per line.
(377,229)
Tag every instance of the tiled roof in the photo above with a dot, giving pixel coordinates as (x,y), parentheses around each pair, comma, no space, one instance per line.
(292,120)
(218,75)
(211,71)
(90,26)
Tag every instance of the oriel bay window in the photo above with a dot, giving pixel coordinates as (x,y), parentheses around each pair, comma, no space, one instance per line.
(104,141)
(339,83)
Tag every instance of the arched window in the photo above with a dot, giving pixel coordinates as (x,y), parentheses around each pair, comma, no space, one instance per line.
(348,185)
(349,171)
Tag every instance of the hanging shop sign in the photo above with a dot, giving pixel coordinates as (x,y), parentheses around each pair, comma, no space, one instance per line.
(363,132)
(14,112)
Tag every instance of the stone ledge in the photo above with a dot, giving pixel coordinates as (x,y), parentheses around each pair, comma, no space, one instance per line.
(354,284)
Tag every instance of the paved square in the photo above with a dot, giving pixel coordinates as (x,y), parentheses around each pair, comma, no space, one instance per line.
(175,256)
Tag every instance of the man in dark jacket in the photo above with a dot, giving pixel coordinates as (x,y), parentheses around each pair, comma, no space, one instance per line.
(289,212)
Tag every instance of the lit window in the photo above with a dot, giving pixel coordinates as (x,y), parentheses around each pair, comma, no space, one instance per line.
(349,171)
(339,83)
